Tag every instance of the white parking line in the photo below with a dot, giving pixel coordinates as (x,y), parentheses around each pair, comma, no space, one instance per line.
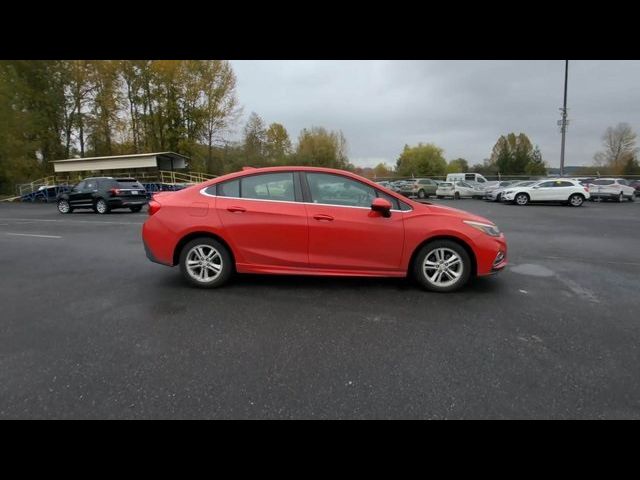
(95,222)
(33,235)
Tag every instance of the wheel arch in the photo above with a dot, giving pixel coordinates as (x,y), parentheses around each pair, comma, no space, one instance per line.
(459,241)
(199,234)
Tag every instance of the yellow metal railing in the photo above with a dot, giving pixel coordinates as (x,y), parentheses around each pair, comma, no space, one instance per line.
(162,176)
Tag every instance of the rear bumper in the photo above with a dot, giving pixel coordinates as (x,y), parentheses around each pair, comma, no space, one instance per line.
(157,243)
(126,202)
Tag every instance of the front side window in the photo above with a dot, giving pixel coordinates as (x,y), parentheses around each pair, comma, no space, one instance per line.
(546,184)
(270,186)
(337,190)
(79,187)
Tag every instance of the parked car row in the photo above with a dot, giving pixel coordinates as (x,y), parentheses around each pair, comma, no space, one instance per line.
(572,191)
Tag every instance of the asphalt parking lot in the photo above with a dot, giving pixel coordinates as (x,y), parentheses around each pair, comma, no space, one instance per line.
(91,329)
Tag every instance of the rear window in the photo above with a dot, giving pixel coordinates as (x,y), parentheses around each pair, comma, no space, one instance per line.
(445,184)
(129,183)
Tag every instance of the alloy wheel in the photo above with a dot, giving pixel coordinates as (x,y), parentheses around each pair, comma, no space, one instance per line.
(576,200)
(101,206)
(63,206)
(442,267)
(204,263)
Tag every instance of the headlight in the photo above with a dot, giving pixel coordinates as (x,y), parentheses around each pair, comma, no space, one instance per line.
(487,228)
(508,192)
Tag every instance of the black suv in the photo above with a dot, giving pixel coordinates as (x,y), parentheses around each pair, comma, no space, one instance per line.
(104,194)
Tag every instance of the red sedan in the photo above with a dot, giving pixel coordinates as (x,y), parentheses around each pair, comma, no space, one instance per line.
(316,221)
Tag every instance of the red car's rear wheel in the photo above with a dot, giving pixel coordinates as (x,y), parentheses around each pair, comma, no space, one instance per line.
(205,263)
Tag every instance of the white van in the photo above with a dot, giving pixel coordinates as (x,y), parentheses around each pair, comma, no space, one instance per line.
(466,177)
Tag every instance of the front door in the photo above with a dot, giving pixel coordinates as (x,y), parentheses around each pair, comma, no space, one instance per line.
(344,233)
(78,194)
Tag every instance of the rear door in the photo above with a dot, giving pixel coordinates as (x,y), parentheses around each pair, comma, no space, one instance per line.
(265,220)
(344,233)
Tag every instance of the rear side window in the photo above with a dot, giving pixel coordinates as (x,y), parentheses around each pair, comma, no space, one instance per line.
(566,184)
(270,186)
(228,189)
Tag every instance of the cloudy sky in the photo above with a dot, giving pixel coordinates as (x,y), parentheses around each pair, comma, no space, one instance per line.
(462,106)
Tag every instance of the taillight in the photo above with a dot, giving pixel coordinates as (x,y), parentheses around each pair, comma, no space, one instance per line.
(153,207)
(114,191)
(586,188)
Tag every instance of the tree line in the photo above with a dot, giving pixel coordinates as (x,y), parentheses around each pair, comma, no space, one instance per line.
(55,109)
(515,154)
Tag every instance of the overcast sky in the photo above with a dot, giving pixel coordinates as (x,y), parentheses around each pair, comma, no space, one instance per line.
(461,106)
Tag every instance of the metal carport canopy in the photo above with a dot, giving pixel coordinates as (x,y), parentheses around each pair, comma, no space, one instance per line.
(160,160)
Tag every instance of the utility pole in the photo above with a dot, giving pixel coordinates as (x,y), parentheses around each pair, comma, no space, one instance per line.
(564,122)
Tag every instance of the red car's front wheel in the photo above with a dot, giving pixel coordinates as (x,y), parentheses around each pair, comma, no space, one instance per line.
(442,266)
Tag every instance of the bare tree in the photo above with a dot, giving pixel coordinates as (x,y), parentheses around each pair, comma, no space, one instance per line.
(619,147)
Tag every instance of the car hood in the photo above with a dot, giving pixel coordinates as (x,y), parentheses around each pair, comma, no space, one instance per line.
(454,212)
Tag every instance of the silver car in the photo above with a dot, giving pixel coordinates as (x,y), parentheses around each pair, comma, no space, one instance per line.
(495,195)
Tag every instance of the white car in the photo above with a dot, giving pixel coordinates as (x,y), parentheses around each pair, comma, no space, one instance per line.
(611,188)
(565,191)
(459,190)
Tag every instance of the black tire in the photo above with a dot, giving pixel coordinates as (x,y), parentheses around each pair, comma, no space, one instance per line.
(428,250)
(498,197)
(576,200)
(456,196)
(620,197)
(226,263)
(101,207)
(440,197)
(521,199)
(632,198)
(135,209)
(422,194)
(64,210)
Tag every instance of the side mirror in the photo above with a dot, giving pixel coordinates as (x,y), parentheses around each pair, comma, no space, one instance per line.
(381,205)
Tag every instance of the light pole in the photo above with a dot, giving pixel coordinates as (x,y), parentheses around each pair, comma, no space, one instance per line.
(564,122)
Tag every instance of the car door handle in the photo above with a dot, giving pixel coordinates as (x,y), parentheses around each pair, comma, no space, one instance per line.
(323,217)
(237,209)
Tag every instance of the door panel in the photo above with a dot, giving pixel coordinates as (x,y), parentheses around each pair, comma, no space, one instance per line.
(265,232)
(354,237)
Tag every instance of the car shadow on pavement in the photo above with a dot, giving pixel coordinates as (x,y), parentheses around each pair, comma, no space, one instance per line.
(330,284)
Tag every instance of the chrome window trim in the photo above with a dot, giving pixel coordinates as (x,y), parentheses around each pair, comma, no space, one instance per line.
(202,192)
